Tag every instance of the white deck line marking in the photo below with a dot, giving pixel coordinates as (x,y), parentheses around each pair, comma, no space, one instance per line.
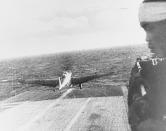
(76,116)
(125,95)
(42,113)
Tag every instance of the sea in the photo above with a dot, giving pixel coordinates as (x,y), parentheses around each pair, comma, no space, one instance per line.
(82,63)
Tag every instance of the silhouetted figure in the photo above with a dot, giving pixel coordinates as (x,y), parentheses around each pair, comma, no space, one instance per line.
(147,110)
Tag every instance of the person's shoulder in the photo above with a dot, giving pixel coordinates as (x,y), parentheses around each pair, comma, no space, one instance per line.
(139,62)
(142,64)
(153,63)
(150,66)
(150,61)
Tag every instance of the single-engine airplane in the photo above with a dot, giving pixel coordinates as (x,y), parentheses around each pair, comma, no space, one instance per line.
(66,80)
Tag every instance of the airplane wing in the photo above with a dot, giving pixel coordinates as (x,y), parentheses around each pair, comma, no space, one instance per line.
(80,80)
(47,82)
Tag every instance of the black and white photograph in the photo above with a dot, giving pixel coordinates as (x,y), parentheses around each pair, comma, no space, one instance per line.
(82,65)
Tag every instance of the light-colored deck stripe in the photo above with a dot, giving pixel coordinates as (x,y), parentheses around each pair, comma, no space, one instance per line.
(76,116)
(41,114)
(125,95)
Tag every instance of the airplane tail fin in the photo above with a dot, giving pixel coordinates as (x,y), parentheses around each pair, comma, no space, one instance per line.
(60,84)
(66,80)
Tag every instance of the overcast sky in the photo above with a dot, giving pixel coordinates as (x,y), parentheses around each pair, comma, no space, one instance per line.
(33,27)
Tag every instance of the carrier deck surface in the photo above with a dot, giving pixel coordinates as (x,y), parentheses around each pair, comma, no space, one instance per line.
(62,114)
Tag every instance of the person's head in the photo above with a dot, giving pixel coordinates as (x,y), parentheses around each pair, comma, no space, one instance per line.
(152,16)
